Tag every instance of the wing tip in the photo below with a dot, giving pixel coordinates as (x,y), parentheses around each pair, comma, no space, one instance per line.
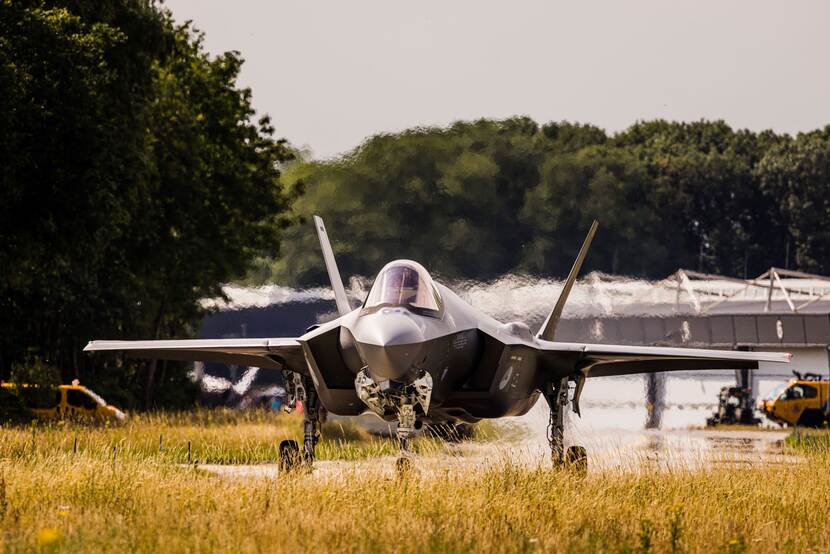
(98,345)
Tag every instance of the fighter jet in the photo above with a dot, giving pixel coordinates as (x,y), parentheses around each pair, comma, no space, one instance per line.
(415,353)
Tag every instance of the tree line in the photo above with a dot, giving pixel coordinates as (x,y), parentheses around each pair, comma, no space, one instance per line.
(483,198)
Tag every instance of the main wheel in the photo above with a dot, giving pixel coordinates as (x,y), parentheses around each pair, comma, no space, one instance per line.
(403,467)
(576,459)
(811,418)
(290,457)
(451,432)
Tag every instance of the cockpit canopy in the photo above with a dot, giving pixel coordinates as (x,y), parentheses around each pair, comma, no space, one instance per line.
(404,283)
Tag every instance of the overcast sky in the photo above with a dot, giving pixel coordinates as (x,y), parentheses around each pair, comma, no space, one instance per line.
(333,73)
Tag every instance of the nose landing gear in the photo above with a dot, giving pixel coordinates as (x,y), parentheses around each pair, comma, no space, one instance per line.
(393,399)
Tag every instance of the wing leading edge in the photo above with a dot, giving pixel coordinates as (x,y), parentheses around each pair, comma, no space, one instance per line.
(605,360)
(273,353)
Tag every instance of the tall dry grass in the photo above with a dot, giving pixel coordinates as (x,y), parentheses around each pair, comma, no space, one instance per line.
(214,436)
(52,499)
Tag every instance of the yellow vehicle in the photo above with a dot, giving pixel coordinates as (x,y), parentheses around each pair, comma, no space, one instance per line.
(70,401)
(803,401)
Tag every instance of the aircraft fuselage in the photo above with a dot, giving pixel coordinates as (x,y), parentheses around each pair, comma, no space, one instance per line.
(479,368)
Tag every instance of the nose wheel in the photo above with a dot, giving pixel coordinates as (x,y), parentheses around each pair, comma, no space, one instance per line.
(403,467)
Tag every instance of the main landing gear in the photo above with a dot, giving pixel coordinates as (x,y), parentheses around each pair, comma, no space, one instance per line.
(301,388)
(575,458)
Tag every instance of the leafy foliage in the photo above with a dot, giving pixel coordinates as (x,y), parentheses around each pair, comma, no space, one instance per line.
(35,380)
(797,173)
(135,181)
(483,198)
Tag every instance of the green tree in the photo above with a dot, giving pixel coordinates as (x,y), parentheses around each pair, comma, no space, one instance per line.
(797,175)
(715,218)
(138,181)
(447,197)
(35,382)
(602,183)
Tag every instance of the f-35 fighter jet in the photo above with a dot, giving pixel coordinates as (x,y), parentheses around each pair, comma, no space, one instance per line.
(416,353)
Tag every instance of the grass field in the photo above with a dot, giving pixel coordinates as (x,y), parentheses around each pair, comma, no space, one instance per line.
(146,500)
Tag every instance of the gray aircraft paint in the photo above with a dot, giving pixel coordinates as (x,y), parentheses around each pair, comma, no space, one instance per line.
(480,367)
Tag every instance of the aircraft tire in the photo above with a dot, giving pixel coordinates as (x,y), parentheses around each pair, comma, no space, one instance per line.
(451,432)
(811,418)
(290,457)
(403,467)
(576,459)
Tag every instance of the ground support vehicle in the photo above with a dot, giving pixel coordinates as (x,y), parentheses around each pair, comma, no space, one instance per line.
(64,402)
(803,401)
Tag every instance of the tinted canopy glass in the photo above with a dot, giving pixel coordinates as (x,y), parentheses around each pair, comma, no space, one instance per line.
(404,283)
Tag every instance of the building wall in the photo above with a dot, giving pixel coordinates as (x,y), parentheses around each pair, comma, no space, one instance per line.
(813,360)
(712,331)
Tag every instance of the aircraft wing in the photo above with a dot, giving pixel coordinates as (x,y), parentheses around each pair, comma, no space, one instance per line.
(605,360)
(266,353)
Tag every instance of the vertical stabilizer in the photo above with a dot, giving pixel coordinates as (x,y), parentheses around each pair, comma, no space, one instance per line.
(548,329)
(340,298)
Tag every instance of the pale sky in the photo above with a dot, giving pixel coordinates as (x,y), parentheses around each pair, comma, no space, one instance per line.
(333,73)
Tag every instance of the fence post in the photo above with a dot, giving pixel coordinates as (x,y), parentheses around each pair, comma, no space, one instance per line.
(188,452)
(75,445)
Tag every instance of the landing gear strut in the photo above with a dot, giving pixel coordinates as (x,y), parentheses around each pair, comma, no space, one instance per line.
(311,421)
(300,387)
(406,430)
(556,395)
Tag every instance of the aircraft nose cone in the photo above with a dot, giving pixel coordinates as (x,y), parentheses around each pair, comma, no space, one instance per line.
(390,344)
(390,327)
